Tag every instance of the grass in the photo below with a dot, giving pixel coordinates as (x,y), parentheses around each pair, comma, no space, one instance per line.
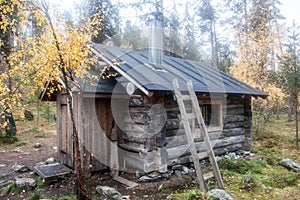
(263,177)
(260,177)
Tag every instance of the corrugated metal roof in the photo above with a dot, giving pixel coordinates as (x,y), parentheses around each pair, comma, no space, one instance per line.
(206,79)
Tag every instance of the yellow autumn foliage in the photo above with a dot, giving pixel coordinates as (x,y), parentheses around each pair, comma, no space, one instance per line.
(36,60)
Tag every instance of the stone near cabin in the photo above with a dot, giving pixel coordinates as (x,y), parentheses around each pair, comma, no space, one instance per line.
(5,182)
(50,160)
(28,115)
(219,194)
(20,168)
(25,182)
(37,145)
(106,192)
(288,163)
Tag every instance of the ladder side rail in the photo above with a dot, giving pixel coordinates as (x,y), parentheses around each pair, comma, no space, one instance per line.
(189,136)
(205,135)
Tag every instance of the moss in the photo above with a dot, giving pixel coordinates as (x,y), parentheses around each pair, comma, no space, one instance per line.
(8,139)
(243,166)
(36,196)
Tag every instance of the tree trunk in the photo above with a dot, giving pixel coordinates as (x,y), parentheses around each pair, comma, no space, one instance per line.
(81,191)
(289,111)
(296,119)
(277,109)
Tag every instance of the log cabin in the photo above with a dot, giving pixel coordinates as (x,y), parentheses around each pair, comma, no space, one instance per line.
(131,122)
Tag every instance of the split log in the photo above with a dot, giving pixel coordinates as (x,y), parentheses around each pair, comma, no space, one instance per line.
(129,127)
(237,110)
(233,125)
(172,124)
(171,133)
(233,132)
(234,118)
(136,102)
(178,151)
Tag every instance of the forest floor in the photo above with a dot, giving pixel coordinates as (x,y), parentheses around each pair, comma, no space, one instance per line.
(260,177)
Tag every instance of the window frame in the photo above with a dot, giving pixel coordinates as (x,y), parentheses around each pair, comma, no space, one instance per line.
(218,127)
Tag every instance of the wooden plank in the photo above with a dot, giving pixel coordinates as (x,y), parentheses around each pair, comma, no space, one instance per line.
(186,97)
(208,175)
(205,135)
(128,183)
(189,136)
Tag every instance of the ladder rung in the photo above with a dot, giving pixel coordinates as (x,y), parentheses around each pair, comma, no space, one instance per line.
(208,175)
(186,97)
(202,155)
(191,116)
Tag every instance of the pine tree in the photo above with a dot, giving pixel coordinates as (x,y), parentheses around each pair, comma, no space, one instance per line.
(289,72)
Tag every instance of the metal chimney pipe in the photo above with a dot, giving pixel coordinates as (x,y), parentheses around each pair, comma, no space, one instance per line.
(156,40)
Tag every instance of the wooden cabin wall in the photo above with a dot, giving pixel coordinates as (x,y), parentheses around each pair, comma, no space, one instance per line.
(146,151)
(94,121)
(64,131)
(140,139)
(230,138)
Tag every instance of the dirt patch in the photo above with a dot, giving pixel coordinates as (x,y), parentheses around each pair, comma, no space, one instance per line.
(27,152)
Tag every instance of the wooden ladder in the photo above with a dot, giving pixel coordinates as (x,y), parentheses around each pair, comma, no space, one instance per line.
(196,114)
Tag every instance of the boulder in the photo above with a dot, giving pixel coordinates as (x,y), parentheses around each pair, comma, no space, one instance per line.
(20,168)
(219,194)
(288,163)
(50,161)
(37,145)
(25,182)
(106,192)
(28,115)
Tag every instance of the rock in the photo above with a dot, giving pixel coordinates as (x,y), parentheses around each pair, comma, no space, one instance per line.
(232,156)
(178,173)
(28,115)
(2,165)
(20,168)
(54,148)
(3,176)
(40,163)
(25,182)
(169,197)
(17,150)
(288,163)
(37,145)
(153,174)
(106,192)
(5,182)
(50,161)
(219,194)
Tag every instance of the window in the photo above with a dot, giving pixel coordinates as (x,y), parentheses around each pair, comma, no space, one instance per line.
(212,114)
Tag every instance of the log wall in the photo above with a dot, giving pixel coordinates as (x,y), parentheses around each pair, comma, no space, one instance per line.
(94,122)
(150,136)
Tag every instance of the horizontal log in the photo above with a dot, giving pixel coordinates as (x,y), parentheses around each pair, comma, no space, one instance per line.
(135,118)
(178,151)
(136,102)
(235,111)
(129,127)
(136,109)
(135,137)
(229,148)
(171,133)
(228,141)
(134,147)
(184,159)
(234,125)
(173,124)
(233,132)
(179,140)
(134,162)
(234,118)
